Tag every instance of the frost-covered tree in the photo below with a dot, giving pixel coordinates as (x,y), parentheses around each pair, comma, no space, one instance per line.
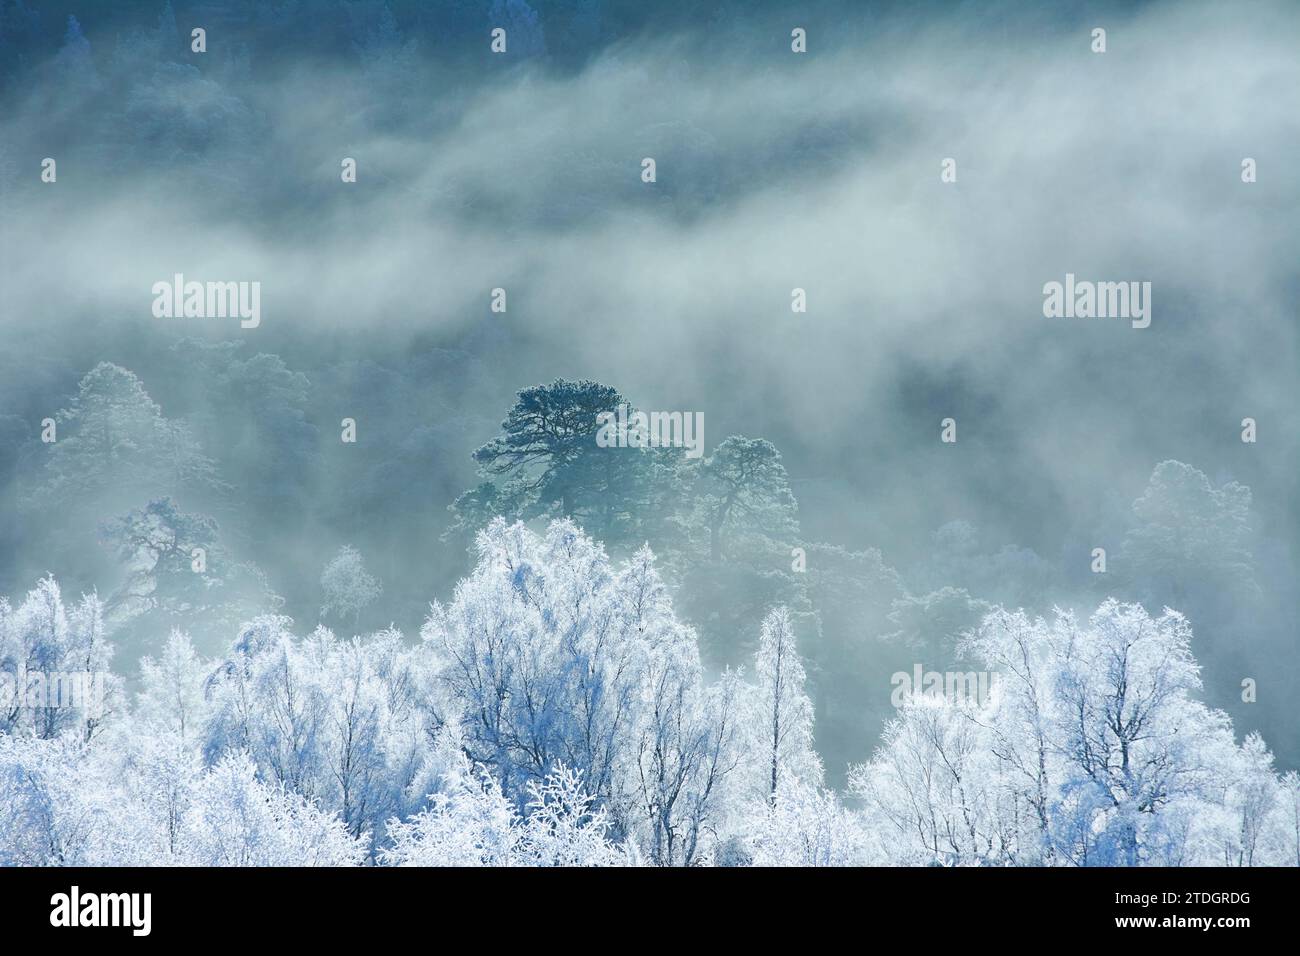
(53,810)
(171,701)
(236,820)
(160,770)
(471,823)
(556,714)
(341,722)
(376,727)
(1127,725)
(1019,723)
(781,715)
(50,652)
(267,703)
(685,748)
(1093,751)
(551,656)
(930,787)
(1253,794)
(563,827)
(1288,816)
(806,825)
(348,587)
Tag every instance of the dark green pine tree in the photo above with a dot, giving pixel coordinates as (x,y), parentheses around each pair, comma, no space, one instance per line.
(546,463)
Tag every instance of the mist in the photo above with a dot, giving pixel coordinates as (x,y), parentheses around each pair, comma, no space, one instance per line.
(774,172)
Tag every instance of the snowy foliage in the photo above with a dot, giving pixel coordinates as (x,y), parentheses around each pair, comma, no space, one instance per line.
(1094,752)
(348,587)
(556,713)
(471,823)
(805,825)
(551,655)
(779,715)
(236,820)
(42,637)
